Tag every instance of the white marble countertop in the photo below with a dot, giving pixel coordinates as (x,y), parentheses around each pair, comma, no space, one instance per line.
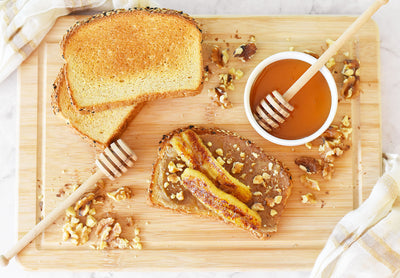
(389,24)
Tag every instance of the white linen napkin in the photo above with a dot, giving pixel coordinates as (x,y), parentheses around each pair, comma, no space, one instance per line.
(24,23)
(366,241)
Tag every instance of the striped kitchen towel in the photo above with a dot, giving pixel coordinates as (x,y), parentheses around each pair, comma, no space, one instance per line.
(24,23)
(366,241)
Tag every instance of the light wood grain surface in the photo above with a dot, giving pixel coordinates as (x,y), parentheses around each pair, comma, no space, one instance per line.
(51,155)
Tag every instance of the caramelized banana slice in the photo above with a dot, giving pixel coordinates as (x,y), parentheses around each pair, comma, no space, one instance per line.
(225,205)
(197,156)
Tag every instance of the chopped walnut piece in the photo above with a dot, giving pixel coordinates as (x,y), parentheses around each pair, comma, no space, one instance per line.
(273,212)
(91,221)
(308,198)
(309,183)
(226,79)
(119,242)
(329,42)
(237,167)
(220,160)
(258,179)
(102,224)
(345,121)
(225,56)
(173,168)
(115,232)
(219,151)
(70,212)
(270,202)
(218,57)
(245,51)
(236,73)
(351,81)
(278,199)
(120,194)
(173,178)
(257,207)
(220,96)
(179,196)
(331,63)
(327,171)
(308,164)
(257,193)
(84,201)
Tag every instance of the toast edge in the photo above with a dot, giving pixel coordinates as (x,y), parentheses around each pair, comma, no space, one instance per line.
(58,111)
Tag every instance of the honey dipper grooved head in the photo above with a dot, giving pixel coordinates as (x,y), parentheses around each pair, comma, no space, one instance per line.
(116,159)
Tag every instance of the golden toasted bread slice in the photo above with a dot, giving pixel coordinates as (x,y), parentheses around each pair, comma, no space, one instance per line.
(100,128)
(268,180)
(124,57)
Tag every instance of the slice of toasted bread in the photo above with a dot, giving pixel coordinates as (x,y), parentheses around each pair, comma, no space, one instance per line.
(100,128)
(124,57)
(269,181)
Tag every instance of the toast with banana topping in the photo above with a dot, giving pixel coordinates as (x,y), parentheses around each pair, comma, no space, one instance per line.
(210,172)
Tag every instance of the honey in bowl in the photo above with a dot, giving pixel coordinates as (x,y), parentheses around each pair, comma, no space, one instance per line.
(311,104)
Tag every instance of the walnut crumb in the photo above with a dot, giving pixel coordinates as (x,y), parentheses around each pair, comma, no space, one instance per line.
(120,194)
(308,198)
(266,176)
(245,51)
(278,199)
(218,57)
(237,167)
(257,193)
(309,183)
(273,212)
(220,160)
(179,196)
(219,152)
(331,63)
(257,207)
(173,168)
(258,179)
(173,178)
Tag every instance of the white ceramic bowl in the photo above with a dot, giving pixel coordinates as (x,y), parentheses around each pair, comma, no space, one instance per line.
(253,77)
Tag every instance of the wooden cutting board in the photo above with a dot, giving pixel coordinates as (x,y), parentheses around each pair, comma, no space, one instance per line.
(51,155)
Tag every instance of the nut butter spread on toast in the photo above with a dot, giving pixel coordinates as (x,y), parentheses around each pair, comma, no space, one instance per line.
(267,179)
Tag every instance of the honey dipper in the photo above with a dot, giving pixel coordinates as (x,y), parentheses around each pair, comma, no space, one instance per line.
(275,108)
(114,161)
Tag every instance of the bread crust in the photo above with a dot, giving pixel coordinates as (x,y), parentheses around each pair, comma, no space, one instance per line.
(138,99)
(56,108)
(153,199)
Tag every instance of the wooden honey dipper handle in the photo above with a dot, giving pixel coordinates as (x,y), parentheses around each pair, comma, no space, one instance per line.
(121,157)
(54,214)
(353,28)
